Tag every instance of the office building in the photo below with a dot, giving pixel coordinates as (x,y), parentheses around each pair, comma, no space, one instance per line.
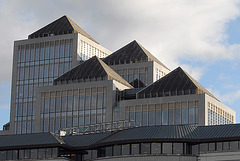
(38,60)
(74,100)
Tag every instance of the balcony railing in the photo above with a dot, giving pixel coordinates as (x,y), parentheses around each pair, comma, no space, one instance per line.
(98,128)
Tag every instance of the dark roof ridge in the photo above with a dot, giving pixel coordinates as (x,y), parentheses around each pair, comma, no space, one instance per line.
(157,86)
(95,67)
(198,84)
(63,25)
(150,55)
(112,73)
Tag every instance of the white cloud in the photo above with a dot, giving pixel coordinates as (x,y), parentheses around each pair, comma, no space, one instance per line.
(229,98)
(187,29)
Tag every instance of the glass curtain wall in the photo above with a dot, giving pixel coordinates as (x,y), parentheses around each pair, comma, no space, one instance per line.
(174,113)
(141,74)
(72,108)
(38,65)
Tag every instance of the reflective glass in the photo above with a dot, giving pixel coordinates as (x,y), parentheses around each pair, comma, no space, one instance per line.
(184,116)
(138,118)
(126,149)
(134,149)
(165,117)
(167,148)
(109,151)
(116,150)
(177,148)
(156,148)
(177,115)
(171,116)
(191,116)
(145,148)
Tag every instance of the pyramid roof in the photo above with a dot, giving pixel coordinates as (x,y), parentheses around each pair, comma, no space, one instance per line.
(176,81)
(132,52)
(61,26)
(93,68)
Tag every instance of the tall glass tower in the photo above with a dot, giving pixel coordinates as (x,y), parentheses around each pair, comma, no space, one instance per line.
(38,60)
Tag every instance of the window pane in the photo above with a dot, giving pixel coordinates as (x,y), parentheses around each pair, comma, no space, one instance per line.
(225,145)
(117,150)
(191,116)
(109,151)
(156,148)
(135,149)
(171,118)
(177,118)
(145,148)
(211,146)
(233,145)
(177,148)
(164,117)
(41,153)
(151,117)
(145,118)
(126,149)
(203,147)
(219,146)
(101,152)
(167,148)
(34,153)
(195,149)
(184,116)
(138,118)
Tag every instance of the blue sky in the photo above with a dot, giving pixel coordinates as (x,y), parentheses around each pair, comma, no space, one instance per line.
(203,37)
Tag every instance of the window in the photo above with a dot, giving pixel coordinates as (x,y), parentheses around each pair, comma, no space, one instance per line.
(117,150)
(156,148)
(126,149)
(135,149)
(177,148)
(145,148)
(109,151)
(167,148)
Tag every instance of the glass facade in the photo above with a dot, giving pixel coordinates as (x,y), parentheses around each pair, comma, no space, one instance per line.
(38,64)
(72,108)
(139,149)
(174,113)
(41,153)
(217,116)
(130,74)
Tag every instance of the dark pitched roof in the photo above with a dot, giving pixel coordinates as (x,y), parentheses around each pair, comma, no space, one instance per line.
(63,25)
(136,83)
(132,52)
(152,133)
(219,131)
(85,140)
(29,140)
(161,133)
(177,80)
(92,68)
